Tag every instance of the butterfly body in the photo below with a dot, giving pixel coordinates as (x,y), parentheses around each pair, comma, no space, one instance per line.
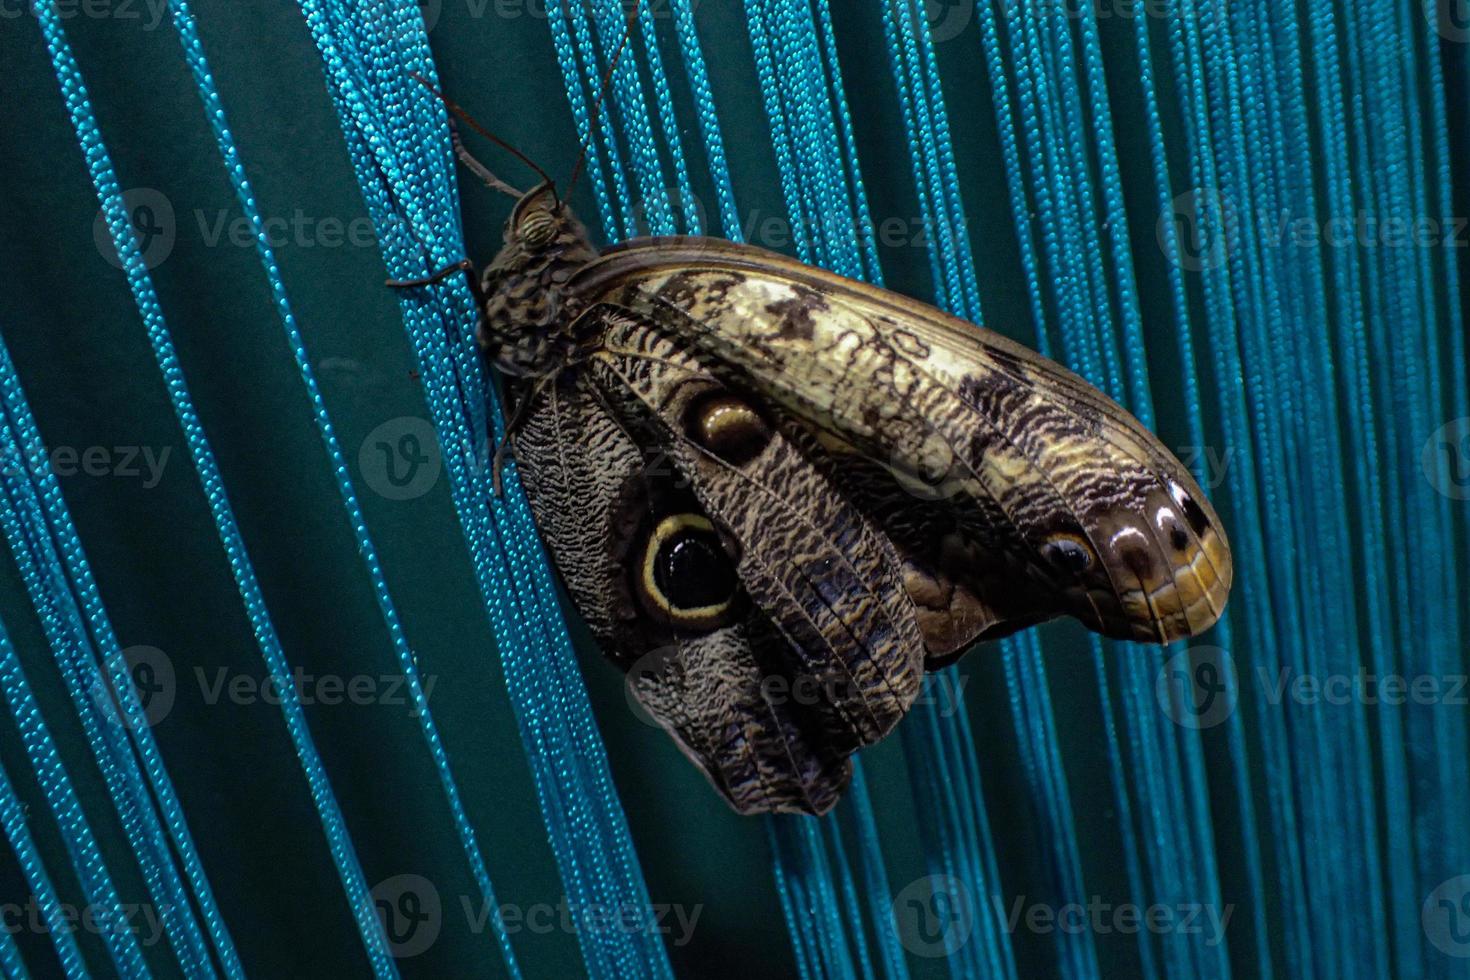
(778,496)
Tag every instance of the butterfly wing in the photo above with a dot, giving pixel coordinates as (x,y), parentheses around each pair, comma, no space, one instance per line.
(1012,490)
(760,615)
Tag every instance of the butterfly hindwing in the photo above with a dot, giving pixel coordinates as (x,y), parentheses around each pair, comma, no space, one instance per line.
(641,462)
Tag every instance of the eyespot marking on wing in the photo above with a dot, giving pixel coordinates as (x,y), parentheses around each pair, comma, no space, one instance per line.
(685,577)
(726,426)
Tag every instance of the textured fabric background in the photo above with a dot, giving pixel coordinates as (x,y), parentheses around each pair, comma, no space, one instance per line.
(71,326)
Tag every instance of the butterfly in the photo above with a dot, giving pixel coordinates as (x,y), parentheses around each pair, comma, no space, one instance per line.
(779,497)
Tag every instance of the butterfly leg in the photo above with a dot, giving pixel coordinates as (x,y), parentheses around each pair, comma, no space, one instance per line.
(463,265)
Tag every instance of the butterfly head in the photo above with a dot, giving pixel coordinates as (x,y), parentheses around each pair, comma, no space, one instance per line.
(528,309)
(1152,564)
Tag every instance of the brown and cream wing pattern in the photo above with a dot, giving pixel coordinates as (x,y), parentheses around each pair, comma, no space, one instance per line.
(650,479)
(1013,490)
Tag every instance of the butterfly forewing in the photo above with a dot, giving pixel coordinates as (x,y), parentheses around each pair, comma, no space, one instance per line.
(1087,508)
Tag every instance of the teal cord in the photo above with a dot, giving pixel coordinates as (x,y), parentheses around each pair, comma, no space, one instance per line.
(831,833)
(12,967)
(61,798)
(209,95)
(110,197)
(397,138)
(41,572)
(709,122)
(874,876)
(28,858)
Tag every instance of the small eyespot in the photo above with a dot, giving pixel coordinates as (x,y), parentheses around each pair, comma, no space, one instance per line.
(727,427)
(1067,553)
(686,576)
(1191,509)
(1169,525)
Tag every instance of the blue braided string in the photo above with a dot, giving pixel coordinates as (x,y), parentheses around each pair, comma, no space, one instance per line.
(81,845)
(105,731)
(709,123)
(398,140)
(194,54)
(12,967)
(110,196)
(28,857)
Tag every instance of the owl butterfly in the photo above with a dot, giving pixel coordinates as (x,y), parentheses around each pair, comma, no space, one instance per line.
(779,496)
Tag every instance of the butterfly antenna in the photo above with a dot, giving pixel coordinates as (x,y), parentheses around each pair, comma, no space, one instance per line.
(480,169)
(602,93)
